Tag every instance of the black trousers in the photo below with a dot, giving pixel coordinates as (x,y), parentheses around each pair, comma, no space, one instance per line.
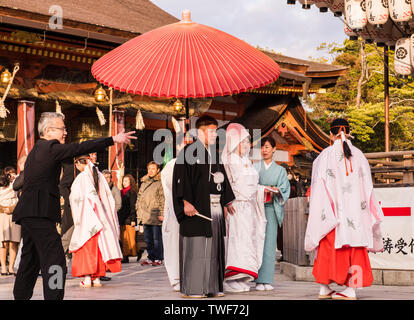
(42,250)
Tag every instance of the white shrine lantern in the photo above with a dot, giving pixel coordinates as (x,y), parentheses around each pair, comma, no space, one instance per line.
(400,10)
(351,34)
(323,5)
(402,57)
(355,15)
(337,7)
(377,12)
(412,51)
(306,4)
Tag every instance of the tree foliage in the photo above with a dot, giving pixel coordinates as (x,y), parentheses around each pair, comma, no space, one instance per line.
(364,83)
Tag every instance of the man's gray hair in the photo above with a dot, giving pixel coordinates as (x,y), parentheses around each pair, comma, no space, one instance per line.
(46,119)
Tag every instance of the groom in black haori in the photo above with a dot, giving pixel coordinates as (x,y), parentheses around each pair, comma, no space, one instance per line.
(202,195)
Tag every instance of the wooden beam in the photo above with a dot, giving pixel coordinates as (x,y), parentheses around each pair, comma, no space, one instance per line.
(391,154)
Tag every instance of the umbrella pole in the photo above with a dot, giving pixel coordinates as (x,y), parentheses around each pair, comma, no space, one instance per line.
(187,116)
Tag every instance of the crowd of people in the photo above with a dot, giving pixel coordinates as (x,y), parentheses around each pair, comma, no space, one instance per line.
(213,219)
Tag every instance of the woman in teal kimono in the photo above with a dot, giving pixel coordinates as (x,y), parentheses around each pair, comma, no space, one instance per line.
(275,176)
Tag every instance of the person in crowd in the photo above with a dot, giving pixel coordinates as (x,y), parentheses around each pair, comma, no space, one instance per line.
(274,176)
(11,172)
(170,228)
(69,172)
(116,193)
(19,180)
(127,217)
(344,217)
(246,228)
(94,242)
(150,213)
(38,209)
(10,232)
(201,190)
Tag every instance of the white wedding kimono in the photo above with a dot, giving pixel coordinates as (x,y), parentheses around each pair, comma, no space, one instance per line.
(170,227)
(93,213)
(345,202)
(245,230)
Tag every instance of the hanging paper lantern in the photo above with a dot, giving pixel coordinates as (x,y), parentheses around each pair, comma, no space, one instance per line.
(323,5)
(400,10)
(337,7)
(412,51)
(351,34)
(377,12)
(402,57)
(355,15)
(306,4)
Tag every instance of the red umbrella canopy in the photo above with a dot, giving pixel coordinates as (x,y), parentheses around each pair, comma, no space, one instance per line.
(185,60)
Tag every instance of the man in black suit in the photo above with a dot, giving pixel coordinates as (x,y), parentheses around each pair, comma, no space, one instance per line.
(38,209)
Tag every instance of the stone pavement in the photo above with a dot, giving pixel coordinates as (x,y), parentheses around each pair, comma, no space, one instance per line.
(137,282)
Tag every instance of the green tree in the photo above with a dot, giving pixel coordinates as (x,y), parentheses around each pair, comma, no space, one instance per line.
(359,96)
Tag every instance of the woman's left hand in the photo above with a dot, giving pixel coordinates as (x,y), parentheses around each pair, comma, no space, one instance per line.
(133,224)
(161,218)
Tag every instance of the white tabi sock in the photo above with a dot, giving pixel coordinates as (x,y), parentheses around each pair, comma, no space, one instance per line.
(87,280)
(324,290)
(349,292)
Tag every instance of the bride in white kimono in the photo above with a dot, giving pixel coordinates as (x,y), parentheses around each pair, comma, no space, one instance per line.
(245,230)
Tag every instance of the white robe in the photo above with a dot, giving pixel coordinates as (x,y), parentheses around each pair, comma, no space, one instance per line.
(94,214)
(170,227)
(246,229)
(346,203)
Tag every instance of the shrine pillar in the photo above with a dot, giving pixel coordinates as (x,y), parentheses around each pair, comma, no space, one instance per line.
(116,152)
(25,128)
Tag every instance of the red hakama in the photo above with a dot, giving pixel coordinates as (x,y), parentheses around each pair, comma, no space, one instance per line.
(88,261)
(333,265)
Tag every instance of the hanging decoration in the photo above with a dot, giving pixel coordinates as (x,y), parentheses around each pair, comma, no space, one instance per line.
(101,116)
(355,15)
(337,7)
(58,108)
(306,4)
(400,11)
(377,12)
(3,110)
(402,61)
(139,121)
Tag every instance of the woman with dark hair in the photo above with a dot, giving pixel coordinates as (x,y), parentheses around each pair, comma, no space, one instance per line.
(275,177)
(94,242)
(10,232)
(127,217)
(344,217)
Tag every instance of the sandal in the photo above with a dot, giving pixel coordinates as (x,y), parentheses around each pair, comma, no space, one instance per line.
(341,296)
(84,285)
(327,296)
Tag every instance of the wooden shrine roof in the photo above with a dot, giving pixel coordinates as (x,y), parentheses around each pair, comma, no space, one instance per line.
(132,16)
(307,67)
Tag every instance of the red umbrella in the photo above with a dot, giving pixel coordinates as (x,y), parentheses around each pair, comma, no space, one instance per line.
(185,60)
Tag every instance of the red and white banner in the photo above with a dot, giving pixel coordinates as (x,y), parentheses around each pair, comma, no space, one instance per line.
(397,229)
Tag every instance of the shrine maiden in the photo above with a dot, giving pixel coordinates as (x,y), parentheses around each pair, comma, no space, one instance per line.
(95,239)
(344,217)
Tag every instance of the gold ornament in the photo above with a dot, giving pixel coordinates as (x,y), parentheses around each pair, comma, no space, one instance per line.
(100,95)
